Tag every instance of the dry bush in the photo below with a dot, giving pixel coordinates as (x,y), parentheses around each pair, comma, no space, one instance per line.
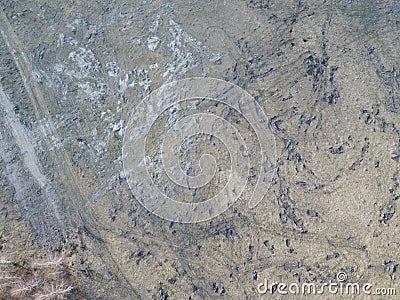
(51,261)
(43,277)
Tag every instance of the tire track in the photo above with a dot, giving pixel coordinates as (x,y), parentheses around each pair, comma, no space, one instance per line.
(75,210)
(42,211)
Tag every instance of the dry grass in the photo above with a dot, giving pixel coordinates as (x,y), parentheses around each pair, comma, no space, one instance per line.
(44,277)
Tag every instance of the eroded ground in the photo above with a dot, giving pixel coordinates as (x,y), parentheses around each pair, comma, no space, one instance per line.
(327,76)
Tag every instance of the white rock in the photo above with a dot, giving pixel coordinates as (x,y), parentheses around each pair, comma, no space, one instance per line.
(153,42)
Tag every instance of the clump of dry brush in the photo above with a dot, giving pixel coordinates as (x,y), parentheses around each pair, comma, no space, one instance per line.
(46,277)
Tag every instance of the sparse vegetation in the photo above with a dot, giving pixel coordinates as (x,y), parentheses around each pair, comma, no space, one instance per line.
(42,277)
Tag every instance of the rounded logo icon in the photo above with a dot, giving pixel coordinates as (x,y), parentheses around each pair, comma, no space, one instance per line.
(192,146)
(341,276)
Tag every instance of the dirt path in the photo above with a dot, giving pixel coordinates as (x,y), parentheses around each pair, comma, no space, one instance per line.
(74,206)
(22,139)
